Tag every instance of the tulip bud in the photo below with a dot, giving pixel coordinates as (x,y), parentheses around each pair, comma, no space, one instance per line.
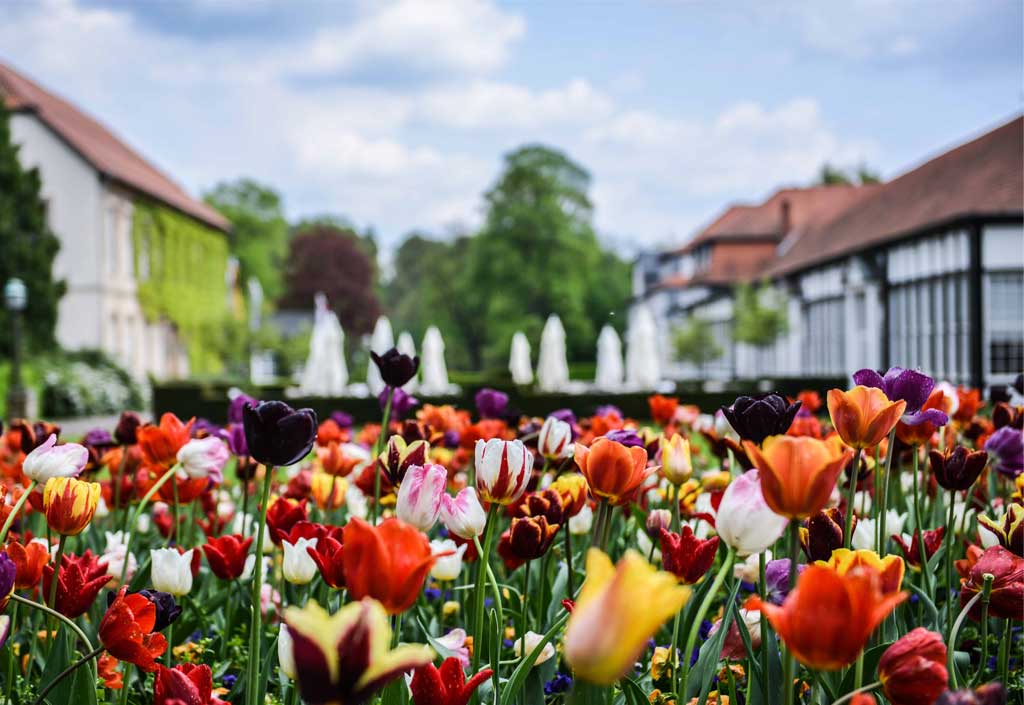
(913,669)
(657,520)
(744,520)
(525,646)
(686,556)
(127,426)
(449,561)
(420,495)
(756,418)
(298,567)
(503,469)
(399,456)
(69,504)
(675,459)
(555,439)
(277,434)
(1009,530)
(396,369)
(204,457)
(50,460)
(171,571)
(957,468)
(572,488)
(528,538)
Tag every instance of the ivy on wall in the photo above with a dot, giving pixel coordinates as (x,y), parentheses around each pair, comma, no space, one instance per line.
(180,266)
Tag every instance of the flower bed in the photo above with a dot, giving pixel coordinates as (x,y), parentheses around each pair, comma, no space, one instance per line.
(865,545)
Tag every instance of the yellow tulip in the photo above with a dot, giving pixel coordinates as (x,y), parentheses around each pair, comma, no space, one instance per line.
(69,504)
(675,459)
(620,607)
(890,568)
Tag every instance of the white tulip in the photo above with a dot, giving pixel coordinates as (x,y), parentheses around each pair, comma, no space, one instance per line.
(298,566)
(171,571)
(531,640)
(285,652)
(447,567)
(582,522)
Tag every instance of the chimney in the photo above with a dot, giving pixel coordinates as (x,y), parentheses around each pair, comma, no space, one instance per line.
(786,221)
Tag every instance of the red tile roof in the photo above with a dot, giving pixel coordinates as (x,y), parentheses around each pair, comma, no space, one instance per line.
(984,177)
(99,147)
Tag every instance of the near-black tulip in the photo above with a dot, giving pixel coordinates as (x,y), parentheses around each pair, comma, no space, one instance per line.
(756,418)
(127,427)
(958,468)
(277,434)
(396,368)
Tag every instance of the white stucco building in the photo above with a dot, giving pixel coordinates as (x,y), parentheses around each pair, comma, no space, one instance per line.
(925,270)
(91,182)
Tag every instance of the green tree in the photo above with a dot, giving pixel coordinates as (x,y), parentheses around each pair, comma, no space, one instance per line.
(694,342)
(759,315)
(259,237)
(835,176)
(537,254)
(28,245)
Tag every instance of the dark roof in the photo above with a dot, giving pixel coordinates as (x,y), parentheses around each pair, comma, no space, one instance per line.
(982,178)
(101,148)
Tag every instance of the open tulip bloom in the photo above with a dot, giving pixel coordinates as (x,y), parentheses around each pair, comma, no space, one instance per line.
(850,545)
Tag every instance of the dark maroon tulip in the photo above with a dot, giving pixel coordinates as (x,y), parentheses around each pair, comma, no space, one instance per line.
(277,434)
(396,368)
(988,694)
(824,533)
(911,386)
(756,418)
(127,426)
(957,469)
(35,434)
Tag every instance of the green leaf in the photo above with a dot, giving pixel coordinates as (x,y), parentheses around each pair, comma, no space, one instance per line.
(707,662)
(633,692)
(871,658)
(515,682)
(558,592)
(926,600)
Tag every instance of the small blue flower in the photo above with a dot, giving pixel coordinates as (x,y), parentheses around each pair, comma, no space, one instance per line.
(432,594)
(228,679)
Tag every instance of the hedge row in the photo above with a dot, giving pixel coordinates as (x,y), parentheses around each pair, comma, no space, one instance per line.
(209,400)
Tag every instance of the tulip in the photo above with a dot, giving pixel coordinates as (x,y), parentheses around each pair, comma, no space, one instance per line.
(69,504)
(675,459)
(619,608)
(554,441)
(171,571)
(79,582)
(923,425)
(686,556)
(864,532)
(913,670)
(446,685)
(890,569)
(283,514)
(128,425)
(117,557)
(328,491)
(526,539)
(732,647)
(167,610)
(1006,446)
(327,554)
(744,520)
(798,474)
(277,434)
(988,694)
(957,468)
(663,409)
(823,534)
(776,579)
(530,641)
(396,369)
(186,683)
(126,631)
(298,567)
(1007,597)
(29,560)
(388,562)
(8,577)
(345,657)
(910,386)
(462,514)
(285,651)
(503,468)
(863,416)
(828,618)
(159,444)
(572,488)
(583,522)
(657,520)
(449,559)
(399,456)
(757,418)
(911,547)
(420,495)
(491,404)
(340,459)
(1009,529)
(51,460)
(1005,415)
(203,458)
(613,470)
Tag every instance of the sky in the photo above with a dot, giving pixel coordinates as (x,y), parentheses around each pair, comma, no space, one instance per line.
(397,113)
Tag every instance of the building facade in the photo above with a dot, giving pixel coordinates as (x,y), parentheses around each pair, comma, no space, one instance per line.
(926,270)
(93,185)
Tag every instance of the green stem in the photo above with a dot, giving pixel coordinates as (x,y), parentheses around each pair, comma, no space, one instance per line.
(951,644)
(1004,652)
(789,665)
(890,451)
(175,532)
(134,522)
(568,561)
(14,512)
(986,596)
(478,596)
(525,604)
(675,509)
(51,600)
(378,446)
(65,673)
(126,677)
(255,624)
(850,498)
(858,670)
(598,529)
(950,525)
(762,591)
(849,696)
(705,605)
(674,645)
(57,615)
(10,661)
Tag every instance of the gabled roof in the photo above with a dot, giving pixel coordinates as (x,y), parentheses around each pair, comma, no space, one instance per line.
(981,178)
(100,147)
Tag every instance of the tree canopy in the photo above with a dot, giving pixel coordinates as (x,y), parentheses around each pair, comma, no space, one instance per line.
(28,245)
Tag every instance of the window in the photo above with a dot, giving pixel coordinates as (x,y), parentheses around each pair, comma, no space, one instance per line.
(1005,327)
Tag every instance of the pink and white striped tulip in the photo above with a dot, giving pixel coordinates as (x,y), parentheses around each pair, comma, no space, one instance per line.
(463,514)
(204,457)
(420,495)
(503,469)
(51,460)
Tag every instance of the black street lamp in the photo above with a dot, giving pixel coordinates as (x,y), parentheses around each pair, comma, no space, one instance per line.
(16,298)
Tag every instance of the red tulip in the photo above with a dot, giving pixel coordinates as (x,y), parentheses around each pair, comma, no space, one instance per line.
(29,560)
(127,630)
(226,555)
(932,541)
(446,685)
(80,580)
(328,556)
(1007,597)
(686,556)
(388,562)
(913,669)
(282,515)
(160,444)
(185,684)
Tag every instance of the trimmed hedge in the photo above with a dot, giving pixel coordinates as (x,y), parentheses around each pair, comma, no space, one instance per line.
(210,401)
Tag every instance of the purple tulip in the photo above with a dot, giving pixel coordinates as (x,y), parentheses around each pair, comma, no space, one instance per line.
(342,419)
(607,409)
(98,438)
(626,437)
(756,418)
(237,404)
(776,578)
(491,404)
(401,402)
(566,415)
(911,386)
(236,440)
(1006,446)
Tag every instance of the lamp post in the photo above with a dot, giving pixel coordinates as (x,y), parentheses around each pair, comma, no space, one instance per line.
(16,298)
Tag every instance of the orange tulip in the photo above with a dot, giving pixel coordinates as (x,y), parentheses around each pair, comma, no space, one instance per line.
(798,473)
(828,618)
(29,560)
(890,569)
(921,433)
(613,471)
(160,444)
(863,416)
(388,562)
(69,504)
